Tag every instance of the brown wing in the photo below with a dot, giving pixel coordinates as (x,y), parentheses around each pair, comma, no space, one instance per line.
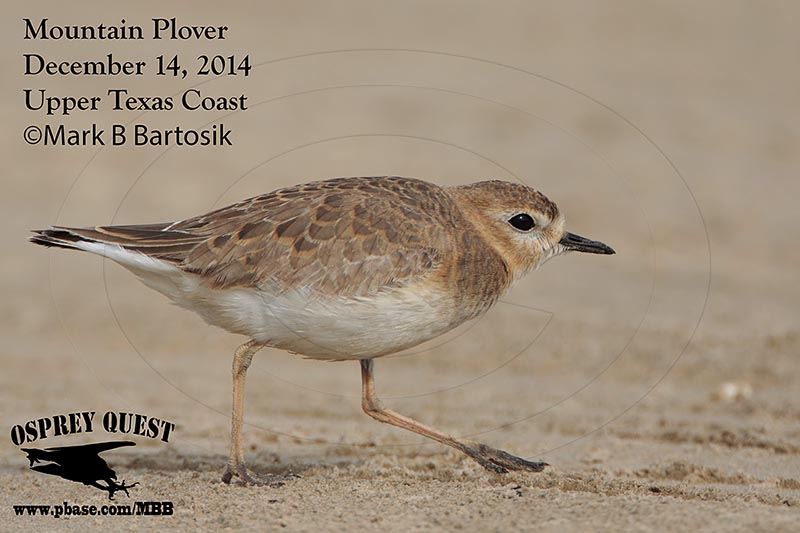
(342,236)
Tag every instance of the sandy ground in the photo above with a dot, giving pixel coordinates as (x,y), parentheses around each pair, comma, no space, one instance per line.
(660,384)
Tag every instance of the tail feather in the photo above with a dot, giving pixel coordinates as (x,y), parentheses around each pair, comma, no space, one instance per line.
(50,242)
(153,240)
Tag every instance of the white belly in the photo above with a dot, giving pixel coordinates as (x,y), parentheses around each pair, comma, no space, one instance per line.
(298,321)
(330,328)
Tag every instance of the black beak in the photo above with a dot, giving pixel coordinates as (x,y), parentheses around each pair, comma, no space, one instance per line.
(581,244)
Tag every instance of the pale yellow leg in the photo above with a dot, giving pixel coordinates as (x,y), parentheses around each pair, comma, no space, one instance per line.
(236,465)
(490,458)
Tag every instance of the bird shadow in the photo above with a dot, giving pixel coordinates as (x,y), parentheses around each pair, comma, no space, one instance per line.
(213,463)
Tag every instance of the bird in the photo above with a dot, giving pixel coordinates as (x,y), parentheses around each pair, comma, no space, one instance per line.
(342,269)
(81,463)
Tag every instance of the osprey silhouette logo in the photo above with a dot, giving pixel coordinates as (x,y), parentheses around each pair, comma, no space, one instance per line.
(81,463)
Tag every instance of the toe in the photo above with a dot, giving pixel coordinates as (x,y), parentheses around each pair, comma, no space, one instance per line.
(508,461)
(246,477)
(498,461)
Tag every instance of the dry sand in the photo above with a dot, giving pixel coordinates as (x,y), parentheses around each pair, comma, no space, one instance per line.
(661,384)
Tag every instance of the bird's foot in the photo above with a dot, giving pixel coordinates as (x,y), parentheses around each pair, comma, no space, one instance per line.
(246,477)
(124,488)
(114,487)
(498,461)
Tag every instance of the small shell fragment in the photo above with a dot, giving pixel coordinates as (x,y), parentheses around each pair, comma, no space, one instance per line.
(733,391)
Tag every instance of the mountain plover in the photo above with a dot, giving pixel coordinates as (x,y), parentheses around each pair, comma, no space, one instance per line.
(344,269)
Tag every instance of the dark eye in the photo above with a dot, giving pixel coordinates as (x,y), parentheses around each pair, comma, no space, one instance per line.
(522,221)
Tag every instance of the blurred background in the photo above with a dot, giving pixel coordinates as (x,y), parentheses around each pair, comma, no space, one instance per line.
(666,129)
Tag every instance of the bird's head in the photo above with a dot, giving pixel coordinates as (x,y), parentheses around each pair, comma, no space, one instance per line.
(521,223)
(34,455)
